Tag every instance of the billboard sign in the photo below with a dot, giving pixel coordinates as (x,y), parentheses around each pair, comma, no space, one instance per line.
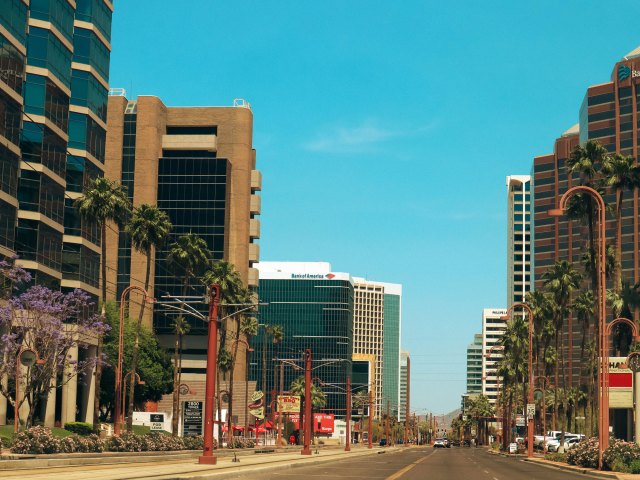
(289,403)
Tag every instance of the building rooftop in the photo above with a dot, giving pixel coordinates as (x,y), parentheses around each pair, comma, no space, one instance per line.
(632,54)
(574,130)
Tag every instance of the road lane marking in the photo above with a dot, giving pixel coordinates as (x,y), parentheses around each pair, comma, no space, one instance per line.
(495,478)
(399,473)
(486,471)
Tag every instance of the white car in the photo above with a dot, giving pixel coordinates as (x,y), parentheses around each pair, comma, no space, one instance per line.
(439,443)
(553,445)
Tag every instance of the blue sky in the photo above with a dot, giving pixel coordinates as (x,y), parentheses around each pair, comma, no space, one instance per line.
(385,131)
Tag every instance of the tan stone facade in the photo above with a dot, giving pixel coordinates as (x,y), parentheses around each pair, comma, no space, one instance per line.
(230,139)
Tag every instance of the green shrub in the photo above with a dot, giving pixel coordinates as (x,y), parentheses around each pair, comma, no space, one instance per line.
(192,442)
(635,466)
(557,457)
(619,455)
(584,454)
(81,428)
(36,440)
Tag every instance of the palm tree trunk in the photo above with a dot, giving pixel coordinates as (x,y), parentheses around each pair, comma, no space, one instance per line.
(136,348)
(98,372)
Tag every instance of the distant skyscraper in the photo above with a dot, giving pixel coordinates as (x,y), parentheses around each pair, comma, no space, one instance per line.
(518,238)
(376,331)
(474,365)
(314,307)
(404,382)
(493,328)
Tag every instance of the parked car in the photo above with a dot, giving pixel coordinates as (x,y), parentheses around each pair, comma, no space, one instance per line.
(383,442)
(439,443)
(569,442)
(455,443)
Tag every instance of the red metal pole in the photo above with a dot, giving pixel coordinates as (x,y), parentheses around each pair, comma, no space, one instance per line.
(210,387)
(531,381)
(370,434)
(604,362)
(347,447)
(406,415)
(278,405)
(306,450)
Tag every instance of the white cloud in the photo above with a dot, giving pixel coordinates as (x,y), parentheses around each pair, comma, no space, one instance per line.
(362,138)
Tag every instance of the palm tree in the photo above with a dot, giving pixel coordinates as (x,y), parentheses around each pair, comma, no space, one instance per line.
(621,173)
(561,279)
(586,161)
(276,332)
(188,256)
(148,228)
(103,201)
(181,327)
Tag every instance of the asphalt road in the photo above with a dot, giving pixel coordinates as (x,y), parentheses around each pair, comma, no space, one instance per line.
(424,463)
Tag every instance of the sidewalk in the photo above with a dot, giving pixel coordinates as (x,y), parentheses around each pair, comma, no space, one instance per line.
(183,469)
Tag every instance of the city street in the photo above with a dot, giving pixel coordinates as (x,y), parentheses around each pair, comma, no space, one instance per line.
(421,463)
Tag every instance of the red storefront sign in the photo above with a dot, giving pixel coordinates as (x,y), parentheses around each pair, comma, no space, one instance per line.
(620,380)
(322,422)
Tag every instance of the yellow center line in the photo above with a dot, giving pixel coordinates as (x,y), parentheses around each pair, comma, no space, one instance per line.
(399,473)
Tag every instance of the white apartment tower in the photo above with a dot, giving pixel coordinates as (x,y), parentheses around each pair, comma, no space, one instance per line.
(493,327)
(377,313)
(518,238)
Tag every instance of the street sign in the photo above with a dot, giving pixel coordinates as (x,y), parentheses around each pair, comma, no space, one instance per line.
(531,411)
(192,418)
(520,420)
(157,422)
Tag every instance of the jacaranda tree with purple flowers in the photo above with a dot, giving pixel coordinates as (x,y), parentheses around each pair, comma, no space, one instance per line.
(50,323)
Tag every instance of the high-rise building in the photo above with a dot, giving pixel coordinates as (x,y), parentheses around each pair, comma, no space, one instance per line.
(198,165)
(474,365)
(608,114)
(314,307)
(376,331)
(493,327)
(54,74)
(54,64)
(405,362)
(518,237)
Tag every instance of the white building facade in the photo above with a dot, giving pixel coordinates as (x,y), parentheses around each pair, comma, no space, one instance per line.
(493,327)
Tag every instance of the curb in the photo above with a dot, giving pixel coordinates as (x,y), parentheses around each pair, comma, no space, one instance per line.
(568,468)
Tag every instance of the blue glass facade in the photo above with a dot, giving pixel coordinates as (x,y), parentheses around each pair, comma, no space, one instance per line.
(316,314)
(64,109)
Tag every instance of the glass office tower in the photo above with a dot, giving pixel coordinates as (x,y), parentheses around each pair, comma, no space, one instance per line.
(53,94)
(314,306)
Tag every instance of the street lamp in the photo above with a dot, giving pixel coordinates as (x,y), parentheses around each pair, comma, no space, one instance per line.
(603,416)
(27,357)
(118,393)
(210,387)
(530,417)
